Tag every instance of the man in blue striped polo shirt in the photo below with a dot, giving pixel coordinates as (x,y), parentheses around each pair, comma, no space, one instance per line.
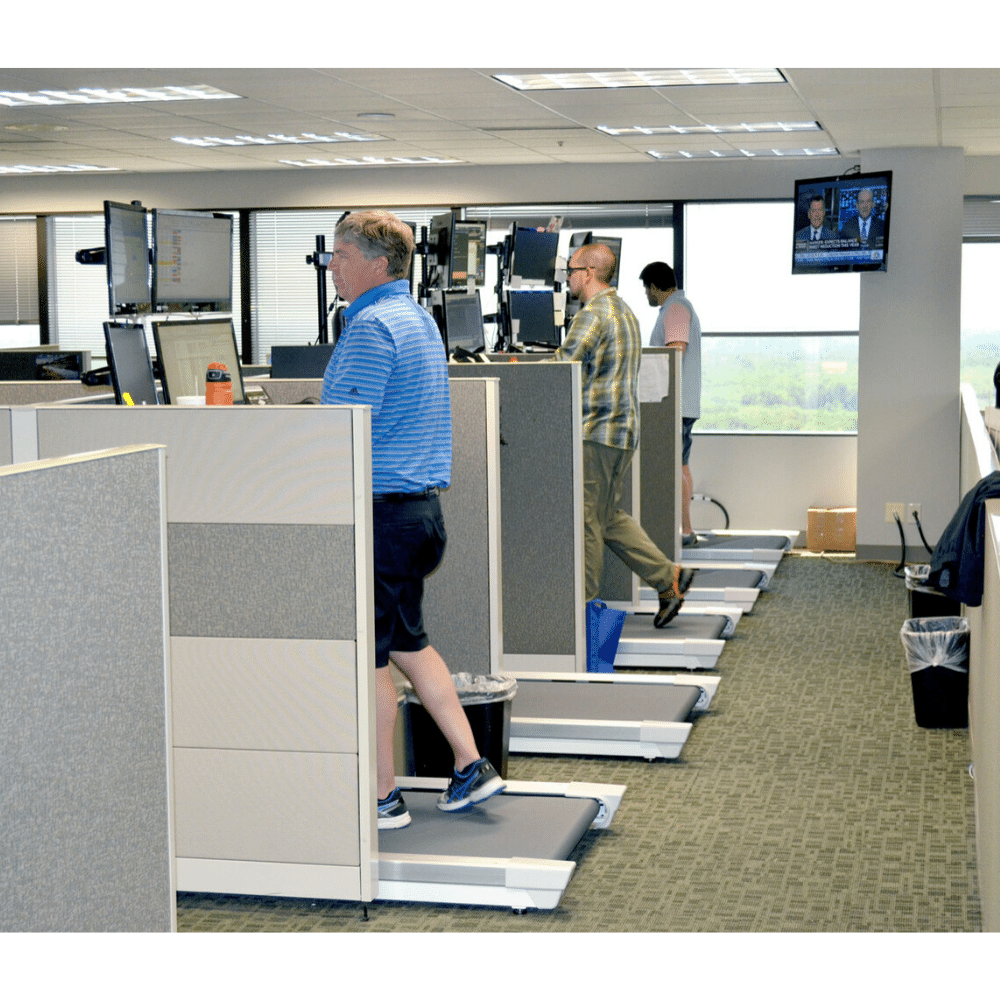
(390,357)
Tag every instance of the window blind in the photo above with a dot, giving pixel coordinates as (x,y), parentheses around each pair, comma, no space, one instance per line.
(19,273)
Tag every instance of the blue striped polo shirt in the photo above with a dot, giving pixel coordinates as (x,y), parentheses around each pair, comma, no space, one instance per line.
(390,356)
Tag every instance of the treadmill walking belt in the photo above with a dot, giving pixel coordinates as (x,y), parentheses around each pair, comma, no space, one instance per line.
(779,543)
(639,627)
(705,579)
(509,825)
(631,702)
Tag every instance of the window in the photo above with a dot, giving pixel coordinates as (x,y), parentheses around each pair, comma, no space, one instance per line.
(18,283)
(980,320)
(779,351)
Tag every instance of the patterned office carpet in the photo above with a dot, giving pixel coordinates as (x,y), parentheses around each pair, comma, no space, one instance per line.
(806,799)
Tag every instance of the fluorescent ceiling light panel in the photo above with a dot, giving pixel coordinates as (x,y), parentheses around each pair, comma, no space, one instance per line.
(276,139)
(721,154)
(113,95)
(744,127)
(67,168)
(369,161)
(598,79)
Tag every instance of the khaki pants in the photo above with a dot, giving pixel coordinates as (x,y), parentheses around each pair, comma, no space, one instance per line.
(605,523)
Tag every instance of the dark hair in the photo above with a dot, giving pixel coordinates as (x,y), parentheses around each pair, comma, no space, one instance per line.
(658,275)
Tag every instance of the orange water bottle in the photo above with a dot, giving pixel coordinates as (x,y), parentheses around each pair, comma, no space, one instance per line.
(218,385)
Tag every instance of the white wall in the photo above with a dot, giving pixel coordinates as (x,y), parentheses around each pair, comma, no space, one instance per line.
(769,481)
(909,350)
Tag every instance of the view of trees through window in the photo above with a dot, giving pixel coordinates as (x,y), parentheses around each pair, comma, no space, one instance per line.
(980,319)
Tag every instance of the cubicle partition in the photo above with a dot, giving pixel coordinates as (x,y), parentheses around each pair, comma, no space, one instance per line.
(979,459)
(541,506)
(268,532)
(85,795)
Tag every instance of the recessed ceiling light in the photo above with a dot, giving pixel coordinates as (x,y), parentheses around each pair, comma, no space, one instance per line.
(277,138)
(721,154)
(66,168)
(35,127)
(114,95)
(747,127)
(370,161)
(596,79)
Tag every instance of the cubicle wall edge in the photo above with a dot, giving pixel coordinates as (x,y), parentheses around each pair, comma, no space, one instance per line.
(86,804)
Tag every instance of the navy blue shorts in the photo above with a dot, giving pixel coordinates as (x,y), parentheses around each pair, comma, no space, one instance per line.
(408,544)
(688,423)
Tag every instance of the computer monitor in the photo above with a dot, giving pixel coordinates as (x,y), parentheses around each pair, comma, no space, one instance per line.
(131,368)
(463,322)
(300,360)
(42,364)
(532,256)
(126,257)
(613,243)
(532,318)
(458,251)
(184,350)
(192,262)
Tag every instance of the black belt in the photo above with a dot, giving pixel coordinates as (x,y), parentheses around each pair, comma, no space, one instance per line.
(404,497)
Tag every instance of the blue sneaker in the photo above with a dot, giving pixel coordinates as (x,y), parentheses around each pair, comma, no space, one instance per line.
(475,784)
(392,812)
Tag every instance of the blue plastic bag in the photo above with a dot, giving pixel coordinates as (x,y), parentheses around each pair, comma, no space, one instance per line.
(604,629)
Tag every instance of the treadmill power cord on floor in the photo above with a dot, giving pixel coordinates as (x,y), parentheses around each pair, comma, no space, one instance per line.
(708,499)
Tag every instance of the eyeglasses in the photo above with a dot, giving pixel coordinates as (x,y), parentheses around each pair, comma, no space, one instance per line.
(570,270)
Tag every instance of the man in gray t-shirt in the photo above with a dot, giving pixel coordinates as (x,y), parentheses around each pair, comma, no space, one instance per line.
(677,325)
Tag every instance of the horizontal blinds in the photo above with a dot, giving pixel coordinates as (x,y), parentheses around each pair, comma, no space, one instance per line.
(19,271)
(639,215)
(284,288)
(981,219)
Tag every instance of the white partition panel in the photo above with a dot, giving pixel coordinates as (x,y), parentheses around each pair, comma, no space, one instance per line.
(269,540)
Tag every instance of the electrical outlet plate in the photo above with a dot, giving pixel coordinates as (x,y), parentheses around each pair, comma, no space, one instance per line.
(892,509)
(911,510)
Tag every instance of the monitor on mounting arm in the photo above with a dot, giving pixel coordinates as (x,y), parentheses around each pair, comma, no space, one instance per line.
(192,261)
(126,257)
(458,251)
(532,318)
(131,368)
(842,223)
(532,256)
(462,325)
(184,350)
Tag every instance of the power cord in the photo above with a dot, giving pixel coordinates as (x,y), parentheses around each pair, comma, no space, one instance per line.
(902,541)
(701,496)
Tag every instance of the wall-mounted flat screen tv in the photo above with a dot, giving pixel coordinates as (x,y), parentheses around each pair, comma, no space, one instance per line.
(842,223)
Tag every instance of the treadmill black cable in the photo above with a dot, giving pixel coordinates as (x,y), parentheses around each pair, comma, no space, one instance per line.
(902,543)
(916,517)
(701,496)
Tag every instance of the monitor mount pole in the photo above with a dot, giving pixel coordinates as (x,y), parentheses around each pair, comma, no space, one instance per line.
(324,337)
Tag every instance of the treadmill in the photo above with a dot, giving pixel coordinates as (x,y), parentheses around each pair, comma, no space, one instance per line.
(511,850)
(735,588)
(725,546)
(624,715)
(689,642)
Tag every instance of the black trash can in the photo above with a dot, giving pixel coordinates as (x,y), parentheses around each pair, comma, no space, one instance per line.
(926,601)
(486,699)
(937,653)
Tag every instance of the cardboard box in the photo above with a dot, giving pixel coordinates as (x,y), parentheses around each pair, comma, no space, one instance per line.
(831,529)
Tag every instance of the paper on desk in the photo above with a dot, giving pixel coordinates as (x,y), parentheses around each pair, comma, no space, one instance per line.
(654,378)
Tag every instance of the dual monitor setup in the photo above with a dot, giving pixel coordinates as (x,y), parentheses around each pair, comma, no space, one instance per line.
(160,262)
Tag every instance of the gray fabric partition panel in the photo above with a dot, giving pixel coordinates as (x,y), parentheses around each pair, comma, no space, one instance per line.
(539,422)
(283,581)
(458,599)
(30,393)
(6,441)
(84,797)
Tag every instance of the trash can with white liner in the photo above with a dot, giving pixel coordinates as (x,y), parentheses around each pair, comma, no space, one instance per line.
(937,653)
(486,700)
